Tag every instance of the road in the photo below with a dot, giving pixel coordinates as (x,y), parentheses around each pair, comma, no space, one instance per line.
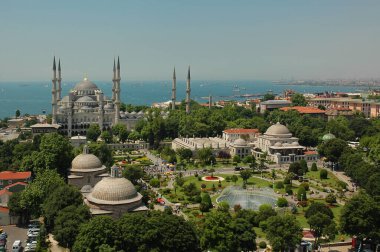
(15,233)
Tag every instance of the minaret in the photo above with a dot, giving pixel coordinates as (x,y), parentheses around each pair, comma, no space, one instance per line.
(188,90)
(114,81)
(117,92)
(59,81)
(209,101)
(174,87)
(54,94)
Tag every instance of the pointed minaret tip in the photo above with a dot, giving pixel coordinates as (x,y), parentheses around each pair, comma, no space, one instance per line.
(114,65)
(118,63)
(54,68)
(59,64)
(188,73)
(174,73)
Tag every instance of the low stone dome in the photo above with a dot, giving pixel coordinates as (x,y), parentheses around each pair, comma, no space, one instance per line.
(240,142)
(85,99)
(113,189)
(108,106)
(328,136)
(295,143)
(85,85)
(85,162)
(278,144)
(278,130)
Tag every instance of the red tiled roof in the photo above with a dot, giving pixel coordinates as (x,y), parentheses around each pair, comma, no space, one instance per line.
(304,110)
(5,191)
(241,131)
(4,209)
(310,152)
(14,184)
(5,175)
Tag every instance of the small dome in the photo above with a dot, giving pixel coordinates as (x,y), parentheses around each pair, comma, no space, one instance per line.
(240,142)
(86,162)
(278,144)
(86,189)
(278,130)
(295,143)
(85,99)
(328,136)
(85,85)
(108,106)
(113,189)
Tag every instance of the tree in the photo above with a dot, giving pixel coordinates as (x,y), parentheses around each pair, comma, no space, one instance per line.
(206,201)
(185,154)
(268,96)
(68,222)
(298,100)
(314,167)
(318,207)
(99,230)
(304,166)
(58,199)
(236,159)
(133,173)
(18,113)
(360,217)
(283,232)
(265,211)
(330,198)
(323,174)
(93,132)
(234,178)
(333,149)
(106,136)
(320,223)
(156,231)
(282,202)
(204,155)
(301,194)
(223,207)
(36,192)
(123,135)
(134,135)
(103,152)
(245,175)
(221,232)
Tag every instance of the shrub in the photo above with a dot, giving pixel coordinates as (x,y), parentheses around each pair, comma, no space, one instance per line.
(203,186)
(287,180)
(342,184)
(237,208)
(305,185)
(301,194)
(262,244)
(314,167)
(154,182)
(279,185)
(228,179)
(323,174)
(288,189)
(282,202)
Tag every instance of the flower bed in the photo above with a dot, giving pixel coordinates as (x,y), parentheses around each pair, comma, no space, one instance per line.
(212,178)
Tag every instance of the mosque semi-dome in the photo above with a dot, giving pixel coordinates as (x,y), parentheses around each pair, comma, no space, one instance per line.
(113,190)
(278,130)
(240,142)
(85,84)
(85,99)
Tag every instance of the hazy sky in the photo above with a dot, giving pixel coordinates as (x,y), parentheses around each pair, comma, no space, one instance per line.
(224,40)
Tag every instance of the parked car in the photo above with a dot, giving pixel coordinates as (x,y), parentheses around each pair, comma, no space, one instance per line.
(238,168)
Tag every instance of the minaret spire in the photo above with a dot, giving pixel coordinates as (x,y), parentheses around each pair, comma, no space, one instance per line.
(188,90)
(174,90)
(117,93)
(54,93)
(114,80)
(59,81)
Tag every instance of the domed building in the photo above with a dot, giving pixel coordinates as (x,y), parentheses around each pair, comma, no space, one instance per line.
(114,196)
(85,104)
(327,137)
(86,170)
(240,148)
(281,147)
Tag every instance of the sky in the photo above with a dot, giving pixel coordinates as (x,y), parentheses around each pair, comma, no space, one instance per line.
(221,40)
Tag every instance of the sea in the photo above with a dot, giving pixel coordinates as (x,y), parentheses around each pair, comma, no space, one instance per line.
(34,97)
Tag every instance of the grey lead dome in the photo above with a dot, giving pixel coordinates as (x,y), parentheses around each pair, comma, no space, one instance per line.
(113,189)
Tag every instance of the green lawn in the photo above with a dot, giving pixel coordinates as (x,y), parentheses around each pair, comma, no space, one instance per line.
(331,181)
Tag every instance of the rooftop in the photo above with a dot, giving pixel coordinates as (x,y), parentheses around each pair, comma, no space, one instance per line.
(304,110)
(276,102)
(10,175)
(241,131)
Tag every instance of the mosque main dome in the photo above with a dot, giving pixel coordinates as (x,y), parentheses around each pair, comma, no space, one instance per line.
(85,84)
(278,130)
(113,190)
